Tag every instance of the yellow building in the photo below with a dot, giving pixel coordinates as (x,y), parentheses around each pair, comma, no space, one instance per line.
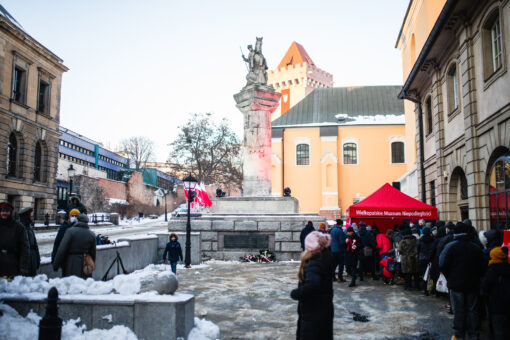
(296,77)
(338,145)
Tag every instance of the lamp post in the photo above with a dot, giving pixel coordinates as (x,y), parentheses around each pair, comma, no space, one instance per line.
(165,191)
(70,171)
(189,184)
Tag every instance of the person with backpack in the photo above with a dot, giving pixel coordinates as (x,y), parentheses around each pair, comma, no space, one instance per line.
(388,266)
(496,287)
(77,248)
(174,251)
(463,266)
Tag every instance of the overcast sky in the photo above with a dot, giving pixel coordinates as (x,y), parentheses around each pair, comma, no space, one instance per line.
(139,67)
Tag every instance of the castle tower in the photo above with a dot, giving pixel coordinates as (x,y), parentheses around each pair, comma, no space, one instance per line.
(295,77)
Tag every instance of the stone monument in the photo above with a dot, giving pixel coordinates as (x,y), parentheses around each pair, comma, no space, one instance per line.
(244,225)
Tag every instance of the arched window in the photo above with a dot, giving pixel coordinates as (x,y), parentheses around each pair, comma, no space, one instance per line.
(37,162)
(12,150)
(303,154)
(453,89)
(350,153)
(492,44)
(499,193)
(428,107)
(397,152)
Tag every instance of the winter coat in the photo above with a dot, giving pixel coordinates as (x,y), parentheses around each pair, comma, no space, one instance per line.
(463,264)
(14,250)
(337,240)
(174,251)
(79,206)
(315,307)
(367,238)
(409,254)
(384,264)
(494,240)
(34,257)
(60,235)
(304,233)
(352,253)
(78,240)
(491,286)
(426,246)
(383,243)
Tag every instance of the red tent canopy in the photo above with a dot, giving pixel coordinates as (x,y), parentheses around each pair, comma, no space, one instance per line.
(390,203)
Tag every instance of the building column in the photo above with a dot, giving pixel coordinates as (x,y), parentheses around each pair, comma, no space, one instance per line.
(329,177)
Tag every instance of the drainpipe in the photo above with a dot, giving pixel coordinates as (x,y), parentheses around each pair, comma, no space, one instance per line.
(422,145)
(283,160)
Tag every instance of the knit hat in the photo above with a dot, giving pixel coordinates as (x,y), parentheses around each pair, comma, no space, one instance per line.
(322,226)
(461,228)
(6,205)
(83,218)
(339,221)
(498,256)
(350,229)
(74,212)
(317,241)
(426,231)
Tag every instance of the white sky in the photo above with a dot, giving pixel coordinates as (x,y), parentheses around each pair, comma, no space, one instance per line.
(139,67)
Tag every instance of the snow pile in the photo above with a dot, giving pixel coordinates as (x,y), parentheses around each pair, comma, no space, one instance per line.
(204,330)
(113,245)
(15,327)
(122,284)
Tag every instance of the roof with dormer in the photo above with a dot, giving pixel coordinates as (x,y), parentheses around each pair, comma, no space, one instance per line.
(296,54)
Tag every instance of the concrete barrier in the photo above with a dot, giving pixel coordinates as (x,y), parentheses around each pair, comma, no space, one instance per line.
(149,317)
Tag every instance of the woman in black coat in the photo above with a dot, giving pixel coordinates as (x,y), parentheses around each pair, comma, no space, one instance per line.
(315,292)
(426,247)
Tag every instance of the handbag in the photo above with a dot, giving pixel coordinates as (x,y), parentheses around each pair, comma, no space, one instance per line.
(368,251)
(426,275)
(88,265)
(441,284)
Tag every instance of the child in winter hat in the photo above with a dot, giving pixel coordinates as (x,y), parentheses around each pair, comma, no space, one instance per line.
(316,241)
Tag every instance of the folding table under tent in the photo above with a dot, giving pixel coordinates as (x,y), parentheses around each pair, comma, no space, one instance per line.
(388,207)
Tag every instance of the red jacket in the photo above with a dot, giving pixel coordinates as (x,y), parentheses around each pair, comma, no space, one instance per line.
(384,264)
(383,243)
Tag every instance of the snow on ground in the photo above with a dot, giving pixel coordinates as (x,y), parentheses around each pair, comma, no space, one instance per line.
(15,327)
(204,330)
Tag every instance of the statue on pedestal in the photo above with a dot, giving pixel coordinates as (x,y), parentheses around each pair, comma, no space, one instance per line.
(257,74)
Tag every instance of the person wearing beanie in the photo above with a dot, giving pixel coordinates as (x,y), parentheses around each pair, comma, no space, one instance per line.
(322,228)
(315,292)
(14,250)
(338,248)
(494,238)
(426,245)
(77,241)
(304,233)
(353,246)
(26,218)
(496,288)
(463,266)
(71,220)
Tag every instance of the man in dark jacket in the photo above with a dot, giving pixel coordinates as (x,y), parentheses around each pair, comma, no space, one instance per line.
(353,246)
(71,220)
(463,265)
(26,218)
(78,241)
(368,251)
(426,246)
(14,251)
(75,203)
(304,233)
(174,251)
(494,239)
(338,248)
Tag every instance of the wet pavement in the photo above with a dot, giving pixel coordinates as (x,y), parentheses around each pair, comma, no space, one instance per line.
(252,301)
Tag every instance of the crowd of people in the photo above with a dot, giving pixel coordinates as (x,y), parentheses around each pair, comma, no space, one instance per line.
(436,258)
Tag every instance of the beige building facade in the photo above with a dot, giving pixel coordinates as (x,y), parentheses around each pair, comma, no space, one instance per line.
(30,87)
(459,86)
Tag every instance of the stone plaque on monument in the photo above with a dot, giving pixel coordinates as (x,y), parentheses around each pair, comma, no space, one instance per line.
(246,241)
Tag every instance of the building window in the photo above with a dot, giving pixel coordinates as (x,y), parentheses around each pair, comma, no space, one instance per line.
(350,153)
(492,44)
(499,193)
(303,154)
(37,162)
(43,98)
(19,85)
(428,106)
(12,150)
(397,153)
(433,193)
(453,89)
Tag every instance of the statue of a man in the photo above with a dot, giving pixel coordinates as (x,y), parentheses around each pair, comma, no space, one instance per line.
(257,74)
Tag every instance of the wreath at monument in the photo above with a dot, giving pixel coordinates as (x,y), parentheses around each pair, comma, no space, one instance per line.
(264,256)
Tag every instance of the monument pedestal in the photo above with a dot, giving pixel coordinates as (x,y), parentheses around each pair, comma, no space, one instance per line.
(255,205)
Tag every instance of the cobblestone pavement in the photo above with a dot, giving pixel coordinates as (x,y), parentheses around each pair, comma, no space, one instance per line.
(252,301)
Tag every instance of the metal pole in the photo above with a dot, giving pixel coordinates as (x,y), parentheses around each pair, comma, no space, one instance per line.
(166,218)
(187,258)
(70,187)
(50,326)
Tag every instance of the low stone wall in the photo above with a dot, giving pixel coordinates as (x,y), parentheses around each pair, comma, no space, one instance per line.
(282,232)
(255,205)
(150,318)
(135,252)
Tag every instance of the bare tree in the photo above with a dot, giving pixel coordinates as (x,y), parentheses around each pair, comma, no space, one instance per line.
(138,149)
(207,149)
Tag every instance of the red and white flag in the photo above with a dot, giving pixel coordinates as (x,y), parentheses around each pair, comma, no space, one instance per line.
(204,198)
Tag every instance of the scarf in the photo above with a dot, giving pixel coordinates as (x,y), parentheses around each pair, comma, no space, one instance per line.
(498,256)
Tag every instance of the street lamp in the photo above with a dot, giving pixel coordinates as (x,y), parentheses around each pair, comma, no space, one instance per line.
(71,171)
(165,192)
(189,184)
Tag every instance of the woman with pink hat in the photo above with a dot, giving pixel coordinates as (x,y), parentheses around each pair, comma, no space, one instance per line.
(315,289)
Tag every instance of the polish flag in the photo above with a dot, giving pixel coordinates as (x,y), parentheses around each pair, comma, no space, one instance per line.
(202,195)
